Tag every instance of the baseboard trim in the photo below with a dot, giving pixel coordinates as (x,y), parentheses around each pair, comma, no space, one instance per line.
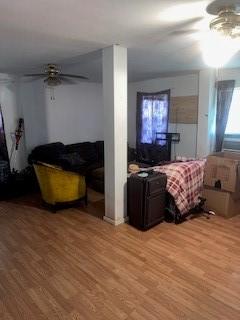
(115,222)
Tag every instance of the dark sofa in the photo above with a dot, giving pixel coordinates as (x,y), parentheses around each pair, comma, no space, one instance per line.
(93,155)
(86,158)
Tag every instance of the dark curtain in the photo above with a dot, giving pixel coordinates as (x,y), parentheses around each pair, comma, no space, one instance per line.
(3,144)
(152,115)
(224,98)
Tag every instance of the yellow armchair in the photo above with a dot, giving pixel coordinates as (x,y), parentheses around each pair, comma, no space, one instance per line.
(59,187)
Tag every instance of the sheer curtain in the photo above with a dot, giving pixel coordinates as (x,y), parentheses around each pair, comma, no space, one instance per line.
(152,115)
(224,98)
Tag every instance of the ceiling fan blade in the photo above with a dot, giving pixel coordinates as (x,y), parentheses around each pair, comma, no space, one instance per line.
(177,27)
(66,80)
(35,75)
(184,32)
(31,79)
(6,81)
(189,22)
(74,76)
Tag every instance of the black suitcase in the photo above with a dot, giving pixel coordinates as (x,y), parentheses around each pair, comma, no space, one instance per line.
(146,199)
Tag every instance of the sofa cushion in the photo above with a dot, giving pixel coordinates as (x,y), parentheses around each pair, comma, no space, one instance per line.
(49,153)
(98,173)
(100,151)
(71,161)
(86,150)
(96,179)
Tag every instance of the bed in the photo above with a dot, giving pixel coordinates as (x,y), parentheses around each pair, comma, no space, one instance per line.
(184,186)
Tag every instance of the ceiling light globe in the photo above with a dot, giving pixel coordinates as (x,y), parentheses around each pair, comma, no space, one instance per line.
(219,49)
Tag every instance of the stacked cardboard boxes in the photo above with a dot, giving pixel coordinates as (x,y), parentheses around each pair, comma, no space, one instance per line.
(222,183)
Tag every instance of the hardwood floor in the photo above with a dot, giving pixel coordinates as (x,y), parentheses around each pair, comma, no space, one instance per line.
(72,265)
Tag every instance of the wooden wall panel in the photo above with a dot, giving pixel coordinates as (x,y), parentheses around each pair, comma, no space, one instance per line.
(184,110)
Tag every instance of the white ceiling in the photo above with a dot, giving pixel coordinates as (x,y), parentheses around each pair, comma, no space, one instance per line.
(34,33)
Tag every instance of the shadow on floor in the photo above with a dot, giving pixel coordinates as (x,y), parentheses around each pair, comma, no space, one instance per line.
(95,207)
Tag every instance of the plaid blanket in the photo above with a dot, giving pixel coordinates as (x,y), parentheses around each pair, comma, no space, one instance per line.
(184,183)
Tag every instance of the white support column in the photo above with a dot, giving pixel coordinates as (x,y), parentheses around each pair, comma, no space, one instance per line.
(206,113)
(115,132)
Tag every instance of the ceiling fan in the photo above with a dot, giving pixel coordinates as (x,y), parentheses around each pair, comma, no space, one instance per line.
(54,77)
(219,36)
(226,22)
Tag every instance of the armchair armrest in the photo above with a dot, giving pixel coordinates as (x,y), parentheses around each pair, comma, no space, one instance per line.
(58,168)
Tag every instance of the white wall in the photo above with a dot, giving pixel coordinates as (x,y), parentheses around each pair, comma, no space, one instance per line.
(206,113)
(229,74)
(11,113)
(207,106)
(75,115)
(186,85)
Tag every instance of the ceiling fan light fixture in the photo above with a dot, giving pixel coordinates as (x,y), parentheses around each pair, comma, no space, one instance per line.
(226,23)
(53,81)
(212,60)
(223,40)
(218,49)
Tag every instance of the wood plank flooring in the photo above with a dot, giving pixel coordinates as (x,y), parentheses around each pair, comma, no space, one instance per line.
(72,265)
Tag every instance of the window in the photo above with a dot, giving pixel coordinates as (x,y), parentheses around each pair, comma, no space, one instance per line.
(233,124)
(152,116)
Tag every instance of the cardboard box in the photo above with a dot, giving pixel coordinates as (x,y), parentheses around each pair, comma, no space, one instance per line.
(222,171)
(221,202)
